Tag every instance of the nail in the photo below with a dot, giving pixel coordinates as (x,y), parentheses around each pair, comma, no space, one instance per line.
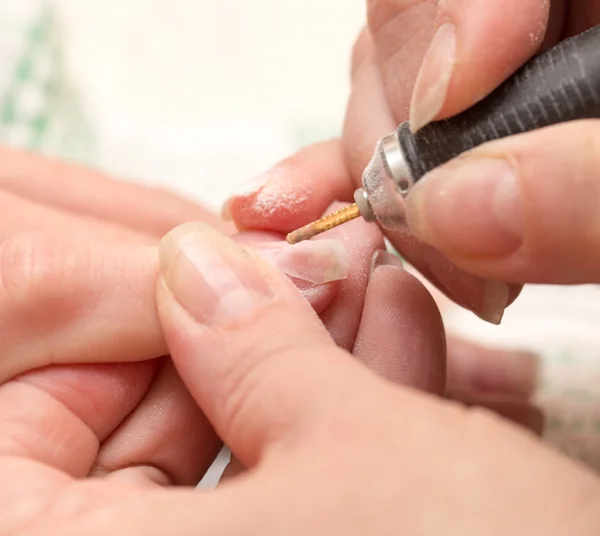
(495,301)
(245,189)
(471,207)
(211,277)
(433,80)
(384,258)
(473,367)
(314,261)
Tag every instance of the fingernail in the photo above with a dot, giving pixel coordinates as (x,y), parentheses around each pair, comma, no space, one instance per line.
(314,261)
(210,276)
(385,258)
(471,207)
(495,301)
(434,77)
(493,371)
(245,189)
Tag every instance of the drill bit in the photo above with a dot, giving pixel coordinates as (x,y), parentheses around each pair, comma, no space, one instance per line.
(324,224)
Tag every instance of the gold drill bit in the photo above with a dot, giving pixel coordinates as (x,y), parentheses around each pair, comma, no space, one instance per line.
(324,224)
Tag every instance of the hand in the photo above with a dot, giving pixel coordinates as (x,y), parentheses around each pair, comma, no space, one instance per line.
(83,384)
(399,69)
(501,380)
(330,447)
(38,194)
(84,387)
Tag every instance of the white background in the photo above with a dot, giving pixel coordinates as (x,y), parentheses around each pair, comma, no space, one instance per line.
(167,83)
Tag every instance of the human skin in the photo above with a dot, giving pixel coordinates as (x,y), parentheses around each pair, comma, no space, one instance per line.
(400,72)
(87,395)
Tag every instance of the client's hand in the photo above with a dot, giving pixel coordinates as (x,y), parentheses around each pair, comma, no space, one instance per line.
(330,447)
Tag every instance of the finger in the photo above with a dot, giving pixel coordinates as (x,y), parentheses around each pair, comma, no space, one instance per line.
(401,334)
(293,193)
(515,410)
(342,316)
(86,192)
(166,440)
(58,416)
(73,301)
(368,116)
(367,119)
(233,468)
(339,305)
(303,275)
(582,15)
(476,368)
(493,213)
(451,40)
(251,351)
(22,215)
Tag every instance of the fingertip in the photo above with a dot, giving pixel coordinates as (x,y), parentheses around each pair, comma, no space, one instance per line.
(401,334)
(294,192)
(342,316)
(457,71)
(318,295)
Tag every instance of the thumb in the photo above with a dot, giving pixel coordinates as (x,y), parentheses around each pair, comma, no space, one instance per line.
(465,49)
(249,348)
(523,209)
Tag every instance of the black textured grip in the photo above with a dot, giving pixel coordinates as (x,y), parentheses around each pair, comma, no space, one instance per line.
(562,84)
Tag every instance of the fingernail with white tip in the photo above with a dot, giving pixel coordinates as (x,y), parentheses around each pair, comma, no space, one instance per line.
(315,261)
(495,301)
(434,77)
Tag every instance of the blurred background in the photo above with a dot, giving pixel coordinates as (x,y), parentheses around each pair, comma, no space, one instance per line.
(156,91)
(163,86)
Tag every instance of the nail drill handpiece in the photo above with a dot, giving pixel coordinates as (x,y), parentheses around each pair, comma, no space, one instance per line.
(560,85)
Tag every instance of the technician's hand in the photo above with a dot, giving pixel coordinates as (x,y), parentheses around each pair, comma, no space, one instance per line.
(428,60)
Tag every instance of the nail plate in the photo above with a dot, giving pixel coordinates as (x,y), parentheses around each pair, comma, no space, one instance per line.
(471,207)
(434,77)
(495,301)
(475,368)
(210,276)
(316,261)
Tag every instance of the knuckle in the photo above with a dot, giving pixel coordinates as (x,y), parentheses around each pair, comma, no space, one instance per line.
(36,273)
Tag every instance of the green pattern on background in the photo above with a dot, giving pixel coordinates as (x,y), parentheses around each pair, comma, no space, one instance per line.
(39,110)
